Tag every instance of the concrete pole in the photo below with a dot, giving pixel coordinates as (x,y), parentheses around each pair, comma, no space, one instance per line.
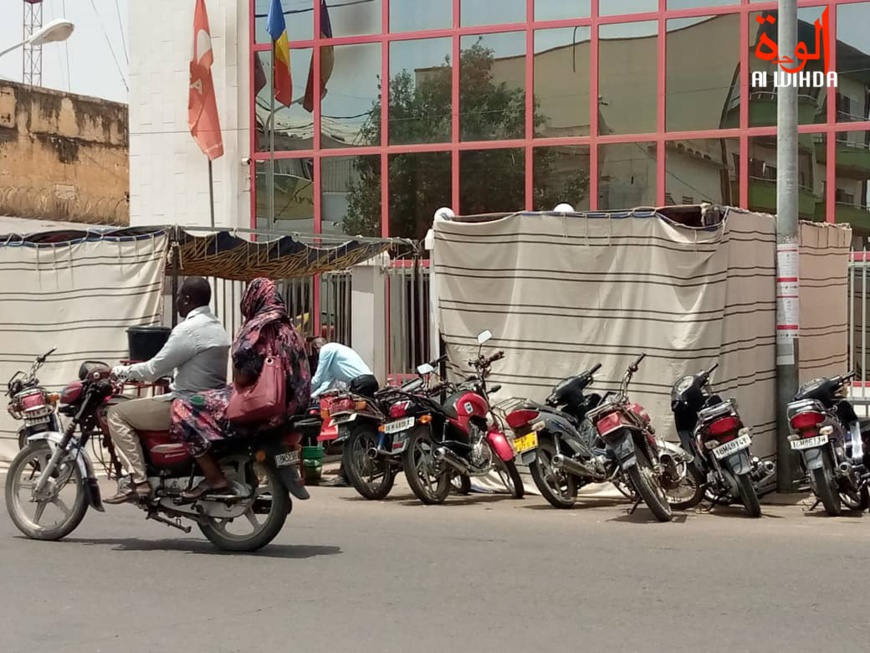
(787,242)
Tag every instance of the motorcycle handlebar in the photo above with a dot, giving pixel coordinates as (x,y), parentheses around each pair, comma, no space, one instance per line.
(595,368)
(438,361)
(848,377)
(41,359)
(639,359)
(712,369)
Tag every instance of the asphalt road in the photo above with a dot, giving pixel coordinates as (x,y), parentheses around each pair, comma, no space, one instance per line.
(478,574)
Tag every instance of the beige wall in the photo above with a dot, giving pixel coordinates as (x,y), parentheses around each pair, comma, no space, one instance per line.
(62,156)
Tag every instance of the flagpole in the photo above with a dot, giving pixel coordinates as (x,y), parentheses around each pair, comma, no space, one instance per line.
(272,146)
(211,191)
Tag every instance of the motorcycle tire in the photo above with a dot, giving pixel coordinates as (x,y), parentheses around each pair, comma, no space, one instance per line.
(23,461)
(365,437)
(426,491)
(280,507)
(563,497)
(824,485)
(645,483)
(856,501)
(699,483)
(748,496)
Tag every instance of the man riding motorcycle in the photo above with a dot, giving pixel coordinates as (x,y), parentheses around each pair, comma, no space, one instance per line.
(196,354)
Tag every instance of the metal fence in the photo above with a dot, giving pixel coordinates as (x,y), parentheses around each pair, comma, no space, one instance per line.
(408,323)
(859,274)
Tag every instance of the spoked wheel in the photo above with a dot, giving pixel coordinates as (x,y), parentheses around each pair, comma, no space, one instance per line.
(429,483)
(266,511)
(557,487)
(687,489)
(508,473)
(644,479)
(372,478)
(56,510)
(855,500)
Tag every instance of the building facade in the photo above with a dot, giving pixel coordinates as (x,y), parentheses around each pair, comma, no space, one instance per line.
(487,106)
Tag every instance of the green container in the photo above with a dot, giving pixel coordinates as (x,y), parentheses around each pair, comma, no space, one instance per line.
(312,463)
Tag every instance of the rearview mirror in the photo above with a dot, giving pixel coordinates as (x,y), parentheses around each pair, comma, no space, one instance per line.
(425,368)
(484,336)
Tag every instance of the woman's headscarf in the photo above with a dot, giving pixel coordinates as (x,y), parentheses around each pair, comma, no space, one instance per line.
(261,305)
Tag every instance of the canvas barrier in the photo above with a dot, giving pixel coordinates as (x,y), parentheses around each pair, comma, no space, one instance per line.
(79,296)
(561,293)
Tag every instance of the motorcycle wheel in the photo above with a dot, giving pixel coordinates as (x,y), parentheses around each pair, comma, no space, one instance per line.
(748,495)
(268,482)
(647,485)
(857,501)
(373,479)
(509,474)
(694,484)
(559,489)
(429,485)
(21,479)
(460,484)
(825,487)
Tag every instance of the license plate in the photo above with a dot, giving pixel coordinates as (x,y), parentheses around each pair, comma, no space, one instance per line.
(725,450)
(809,443)
(526,443)
(399,425)
(400,441)
(287,459)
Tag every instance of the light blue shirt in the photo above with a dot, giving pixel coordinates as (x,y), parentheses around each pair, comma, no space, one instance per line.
(195,354)
(337,364)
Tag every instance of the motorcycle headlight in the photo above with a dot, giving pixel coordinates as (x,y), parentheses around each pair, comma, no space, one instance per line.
(683,384)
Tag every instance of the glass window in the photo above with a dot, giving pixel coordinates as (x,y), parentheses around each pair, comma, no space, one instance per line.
(350,192)
(562,9)
(293,197)
(492,181)
(702,170)
(562,71)
(492,77)
(421,91)
(352,18)
(351,106)
(298,15)
(702,83)
(418,15)
(294,126)
(853,180)
(853,62)
(695,4)
(628,65)
(487,12)
(762,97)
(420,184)
(627,175)
(620,7)
(762,175)
(561,174)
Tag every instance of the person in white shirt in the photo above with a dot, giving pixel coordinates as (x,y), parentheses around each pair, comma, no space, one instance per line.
(195,354)
(340,365)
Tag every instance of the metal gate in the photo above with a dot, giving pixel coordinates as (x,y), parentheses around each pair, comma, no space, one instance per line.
(859,274)
(408,324)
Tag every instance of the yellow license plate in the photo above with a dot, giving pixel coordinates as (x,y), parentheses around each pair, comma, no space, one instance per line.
(526,442)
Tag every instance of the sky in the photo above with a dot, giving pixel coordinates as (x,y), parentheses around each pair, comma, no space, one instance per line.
(85,64)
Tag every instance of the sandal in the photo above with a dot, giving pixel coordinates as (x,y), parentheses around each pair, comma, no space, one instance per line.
(202,490)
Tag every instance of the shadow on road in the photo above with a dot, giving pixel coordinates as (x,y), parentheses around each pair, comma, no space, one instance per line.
(183,545)
(642,516)
(582,504)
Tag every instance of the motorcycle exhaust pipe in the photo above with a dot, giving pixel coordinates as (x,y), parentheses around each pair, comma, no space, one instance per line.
(373,453)
(443,454)
(845,468)
(563,463)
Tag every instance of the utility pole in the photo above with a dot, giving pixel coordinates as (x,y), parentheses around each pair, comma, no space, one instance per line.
(32,70)
(787,242)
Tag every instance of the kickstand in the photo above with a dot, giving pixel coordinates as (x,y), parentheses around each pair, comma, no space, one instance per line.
(814,506)
(636,504)
(175,524)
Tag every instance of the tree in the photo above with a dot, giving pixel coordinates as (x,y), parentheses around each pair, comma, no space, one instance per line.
(420,183)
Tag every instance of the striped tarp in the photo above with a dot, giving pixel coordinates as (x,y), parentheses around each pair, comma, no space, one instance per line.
(562,293)
(78,296)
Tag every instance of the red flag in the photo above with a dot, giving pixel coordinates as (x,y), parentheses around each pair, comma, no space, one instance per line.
(202,113)
(327,61)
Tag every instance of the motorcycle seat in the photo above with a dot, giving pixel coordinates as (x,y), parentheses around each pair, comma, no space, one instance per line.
(450,411)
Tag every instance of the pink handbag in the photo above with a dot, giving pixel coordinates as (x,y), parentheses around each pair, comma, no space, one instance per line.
(262,400)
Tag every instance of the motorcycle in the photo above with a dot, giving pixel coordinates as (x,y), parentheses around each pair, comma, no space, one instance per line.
(372,454)
(31,403)
(564,451)
(832,443)
(629,436)
(711,429)
(440,440)
(263,471)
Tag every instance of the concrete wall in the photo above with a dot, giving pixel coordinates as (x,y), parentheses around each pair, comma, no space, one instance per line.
(62,156)
(168,172)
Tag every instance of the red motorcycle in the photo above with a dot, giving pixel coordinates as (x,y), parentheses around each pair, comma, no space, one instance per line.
(54,473)
(31,403)
(441,440)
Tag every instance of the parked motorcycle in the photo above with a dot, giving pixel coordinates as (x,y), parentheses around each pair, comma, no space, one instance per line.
(263,471)
(456,437)
(832,443)
(711,429)
(370,431)
(564,451)
(31,403)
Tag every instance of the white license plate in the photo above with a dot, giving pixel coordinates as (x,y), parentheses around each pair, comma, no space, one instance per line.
(725,450)
(809,443)
(399,425)
(287,459)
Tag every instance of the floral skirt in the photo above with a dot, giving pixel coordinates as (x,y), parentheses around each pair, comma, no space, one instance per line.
(201,422)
